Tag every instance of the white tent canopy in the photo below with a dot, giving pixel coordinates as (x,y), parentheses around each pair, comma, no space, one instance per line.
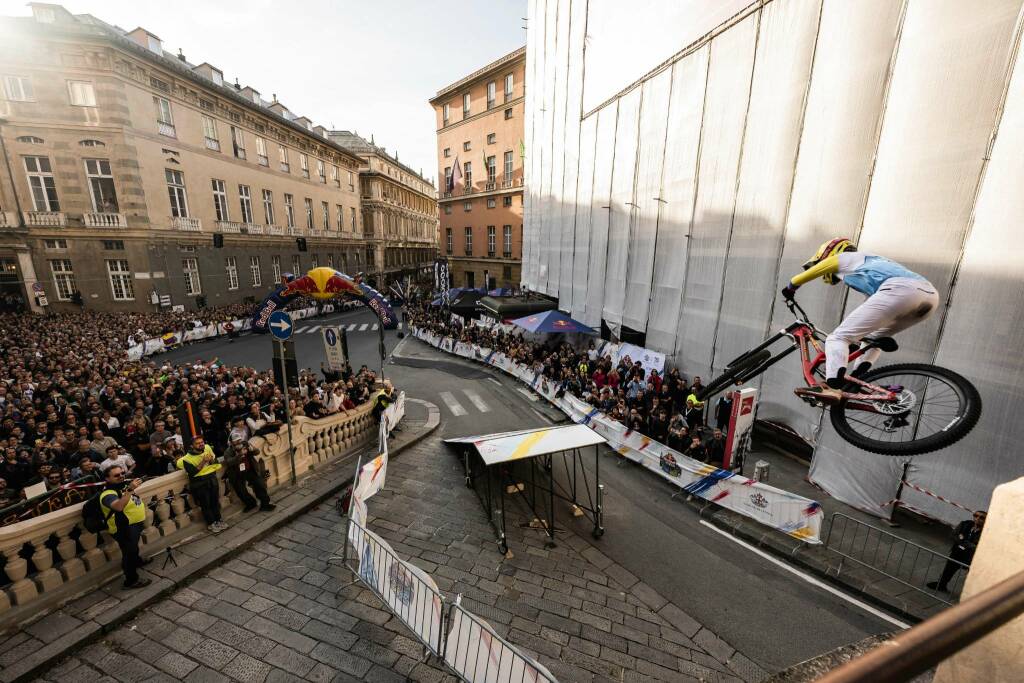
(530,443)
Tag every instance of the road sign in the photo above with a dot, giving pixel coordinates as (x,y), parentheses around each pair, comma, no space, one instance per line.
(37,287)
(281,325)
(333,348)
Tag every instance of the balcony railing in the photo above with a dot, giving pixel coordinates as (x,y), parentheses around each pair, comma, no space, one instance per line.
(505,184)
(506,254)
(253,229)
(186,224)
(166,129)
(213,144)
(446,195)
(275,230)
(286,167)
(262,159)
(488,186)
(305,173)
(8,219)
(296,231)
(44,219)
(228,226)
(316,232)
(468,189)
(105,220)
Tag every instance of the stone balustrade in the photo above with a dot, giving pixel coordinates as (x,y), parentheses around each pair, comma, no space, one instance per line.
(50,559)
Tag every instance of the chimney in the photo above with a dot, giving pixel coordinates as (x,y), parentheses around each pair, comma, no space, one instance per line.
(181,56)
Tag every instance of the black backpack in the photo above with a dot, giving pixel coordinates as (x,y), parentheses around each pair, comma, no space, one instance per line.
(93,518)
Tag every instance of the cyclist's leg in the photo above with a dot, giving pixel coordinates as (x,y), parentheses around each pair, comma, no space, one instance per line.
(917,304)
(879,311)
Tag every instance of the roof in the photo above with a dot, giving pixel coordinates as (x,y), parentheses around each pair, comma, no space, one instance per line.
(359,145)
(530,443)
(89,25)
(510,57)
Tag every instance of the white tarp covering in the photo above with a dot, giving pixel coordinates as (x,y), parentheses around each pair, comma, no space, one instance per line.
(791,122)
(621,209)
(682,144)
(643,234)
(725,109)
(497,448)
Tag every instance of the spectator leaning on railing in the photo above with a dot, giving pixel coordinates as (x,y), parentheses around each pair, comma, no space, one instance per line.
(200,464)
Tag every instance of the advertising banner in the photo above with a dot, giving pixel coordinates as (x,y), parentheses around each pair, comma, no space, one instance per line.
(789,513)
(741,426)
(650,360)
(409,592)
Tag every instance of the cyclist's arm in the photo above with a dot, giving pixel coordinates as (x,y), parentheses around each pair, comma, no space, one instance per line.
(829,266)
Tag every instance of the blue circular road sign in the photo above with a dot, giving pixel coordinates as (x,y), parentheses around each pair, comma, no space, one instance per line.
(280,324)
(330,336)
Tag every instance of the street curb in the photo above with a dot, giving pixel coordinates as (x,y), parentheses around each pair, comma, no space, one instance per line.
(87,633)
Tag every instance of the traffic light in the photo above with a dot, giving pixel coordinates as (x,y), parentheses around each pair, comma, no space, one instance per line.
(300,243)
(218,240)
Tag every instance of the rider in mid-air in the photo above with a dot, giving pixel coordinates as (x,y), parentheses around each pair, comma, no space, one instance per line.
(898,298)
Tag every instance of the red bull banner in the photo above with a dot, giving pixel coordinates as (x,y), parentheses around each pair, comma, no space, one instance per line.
(321,284)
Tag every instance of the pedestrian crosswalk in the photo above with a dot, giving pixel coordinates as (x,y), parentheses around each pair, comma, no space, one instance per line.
(352,327)
(451,402)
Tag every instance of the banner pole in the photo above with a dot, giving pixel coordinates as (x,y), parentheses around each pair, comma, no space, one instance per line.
(287,408)
(348,513)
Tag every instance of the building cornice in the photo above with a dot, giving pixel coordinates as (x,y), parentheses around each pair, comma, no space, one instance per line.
(80,31)
(480,73)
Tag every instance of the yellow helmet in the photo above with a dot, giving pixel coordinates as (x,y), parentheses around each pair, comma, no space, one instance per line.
(830,248)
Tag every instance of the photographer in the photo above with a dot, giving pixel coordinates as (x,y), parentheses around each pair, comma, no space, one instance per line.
(200,464)
(125,514)
(243,469)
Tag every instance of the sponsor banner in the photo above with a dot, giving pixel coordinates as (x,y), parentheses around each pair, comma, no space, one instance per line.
(741,426)
(409,592)
(789,513)
(650,360)
(394,413)
(479,655)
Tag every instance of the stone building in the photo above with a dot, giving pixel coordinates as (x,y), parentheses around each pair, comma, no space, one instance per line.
(123,165)
(479,158)
(399,211)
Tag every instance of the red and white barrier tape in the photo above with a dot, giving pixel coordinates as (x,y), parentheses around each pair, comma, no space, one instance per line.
(926,492)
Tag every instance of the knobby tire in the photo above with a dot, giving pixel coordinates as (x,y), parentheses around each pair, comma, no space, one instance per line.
(970,412)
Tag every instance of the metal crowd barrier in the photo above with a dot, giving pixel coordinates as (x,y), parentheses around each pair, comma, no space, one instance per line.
(896,558)
(479,655)
(461,641)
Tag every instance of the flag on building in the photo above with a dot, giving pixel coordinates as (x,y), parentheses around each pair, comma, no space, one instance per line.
(456,176)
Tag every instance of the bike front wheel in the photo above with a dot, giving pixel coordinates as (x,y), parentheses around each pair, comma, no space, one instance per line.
(934,408)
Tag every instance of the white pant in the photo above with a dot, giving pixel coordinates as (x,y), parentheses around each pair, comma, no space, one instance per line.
(898,304)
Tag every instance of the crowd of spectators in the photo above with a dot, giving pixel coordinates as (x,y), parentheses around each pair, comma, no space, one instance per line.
(667,409)
(73,405)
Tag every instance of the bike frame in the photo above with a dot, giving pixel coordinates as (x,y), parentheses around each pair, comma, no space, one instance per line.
(804,336)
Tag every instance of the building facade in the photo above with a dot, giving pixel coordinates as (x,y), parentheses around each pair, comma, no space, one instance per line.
(399,211)
(480,167)
(124,164)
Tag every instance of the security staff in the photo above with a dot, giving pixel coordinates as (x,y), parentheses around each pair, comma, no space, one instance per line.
(125,514)
(200,464)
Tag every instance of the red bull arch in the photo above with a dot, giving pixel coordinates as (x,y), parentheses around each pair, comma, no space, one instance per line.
(322,284)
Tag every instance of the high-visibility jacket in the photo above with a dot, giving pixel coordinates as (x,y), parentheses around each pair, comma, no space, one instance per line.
(134,509)
(194,459)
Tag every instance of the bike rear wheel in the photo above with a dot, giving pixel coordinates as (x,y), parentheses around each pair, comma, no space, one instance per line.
(935,408)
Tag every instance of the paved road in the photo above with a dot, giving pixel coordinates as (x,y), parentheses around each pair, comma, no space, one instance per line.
(770,615)
(255,350)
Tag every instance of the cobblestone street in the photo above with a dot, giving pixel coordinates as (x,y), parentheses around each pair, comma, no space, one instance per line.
(280,612)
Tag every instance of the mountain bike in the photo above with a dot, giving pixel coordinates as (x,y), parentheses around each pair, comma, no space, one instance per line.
(900,409)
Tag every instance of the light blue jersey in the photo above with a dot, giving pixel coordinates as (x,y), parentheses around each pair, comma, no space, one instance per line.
(867,277)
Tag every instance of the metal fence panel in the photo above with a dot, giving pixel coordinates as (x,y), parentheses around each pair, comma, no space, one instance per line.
(479,655)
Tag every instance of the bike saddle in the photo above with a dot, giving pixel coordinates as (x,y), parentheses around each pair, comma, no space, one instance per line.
(887,344)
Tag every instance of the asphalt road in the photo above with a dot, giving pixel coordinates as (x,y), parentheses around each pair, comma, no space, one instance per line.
(770,615)
(256,350)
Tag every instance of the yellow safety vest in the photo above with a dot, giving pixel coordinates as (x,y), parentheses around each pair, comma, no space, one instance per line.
(134,510)
(195,458)
(696,403)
